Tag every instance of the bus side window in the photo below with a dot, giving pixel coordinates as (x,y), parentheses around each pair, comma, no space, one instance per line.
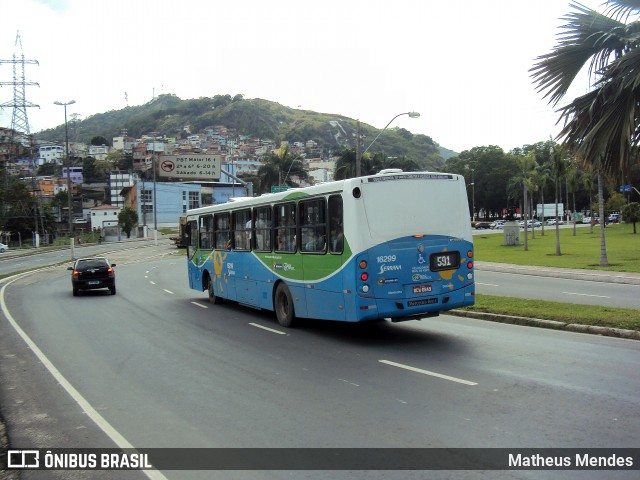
(313,226)
(191,237)
(206,232)
(336,227)
(285,227)
(222,231)
(262,229)
(242,229)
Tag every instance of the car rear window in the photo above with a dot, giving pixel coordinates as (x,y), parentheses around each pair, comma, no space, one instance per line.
(93,263)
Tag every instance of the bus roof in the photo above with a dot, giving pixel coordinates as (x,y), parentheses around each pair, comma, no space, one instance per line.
(319,189)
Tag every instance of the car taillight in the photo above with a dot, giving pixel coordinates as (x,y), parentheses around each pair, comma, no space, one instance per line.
(111,272)
(76,273)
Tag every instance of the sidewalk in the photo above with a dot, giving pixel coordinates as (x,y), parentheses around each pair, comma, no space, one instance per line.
(630,278)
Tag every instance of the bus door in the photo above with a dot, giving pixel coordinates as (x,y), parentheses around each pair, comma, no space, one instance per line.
(322,256)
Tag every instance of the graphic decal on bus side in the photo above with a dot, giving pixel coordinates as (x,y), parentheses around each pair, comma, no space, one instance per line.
(218,264)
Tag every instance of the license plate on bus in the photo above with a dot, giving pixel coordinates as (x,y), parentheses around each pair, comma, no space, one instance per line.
(426,301)
(418,289)
(444,261)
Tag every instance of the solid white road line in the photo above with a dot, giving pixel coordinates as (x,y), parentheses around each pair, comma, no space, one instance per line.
(268,329)
(91,412)
(427,372)
(585,295)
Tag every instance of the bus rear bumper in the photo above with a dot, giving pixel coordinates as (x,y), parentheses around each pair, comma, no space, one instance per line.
(403,309)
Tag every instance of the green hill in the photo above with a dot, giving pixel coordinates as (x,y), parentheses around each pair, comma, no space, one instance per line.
(169,115)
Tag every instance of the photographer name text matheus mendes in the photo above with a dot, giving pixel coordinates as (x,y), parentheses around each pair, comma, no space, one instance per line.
(578,461)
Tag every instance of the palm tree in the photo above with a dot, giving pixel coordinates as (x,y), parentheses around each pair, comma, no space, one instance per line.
(559,169)
(589,182)
(600,126)
(574,180)
(526,165)
(543,173)
(278,168)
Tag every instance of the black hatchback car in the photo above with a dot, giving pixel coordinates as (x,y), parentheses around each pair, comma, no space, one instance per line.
(93,273)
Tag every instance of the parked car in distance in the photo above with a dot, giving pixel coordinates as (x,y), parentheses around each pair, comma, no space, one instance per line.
(552,221)
(498,225)
(92,273)
(3,247)
(482,225)
(613,218)
(530,223)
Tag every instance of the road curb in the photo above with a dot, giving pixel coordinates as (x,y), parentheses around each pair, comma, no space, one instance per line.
(538,322)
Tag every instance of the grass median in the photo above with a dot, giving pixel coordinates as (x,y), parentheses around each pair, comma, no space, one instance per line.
(581,251)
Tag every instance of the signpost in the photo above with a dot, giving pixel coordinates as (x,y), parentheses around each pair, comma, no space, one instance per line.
(195,167)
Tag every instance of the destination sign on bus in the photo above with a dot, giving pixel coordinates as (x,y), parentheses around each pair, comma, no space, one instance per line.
(410,176)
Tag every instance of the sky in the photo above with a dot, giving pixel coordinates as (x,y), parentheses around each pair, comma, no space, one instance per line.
(463,65)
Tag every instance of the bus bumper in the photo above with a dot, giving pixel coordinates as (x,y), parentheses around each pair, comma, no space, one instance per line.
(402,309)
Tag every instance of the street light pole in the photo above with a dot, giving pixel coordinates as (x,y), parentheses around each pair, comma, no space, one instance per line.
(67,161)
(360,155)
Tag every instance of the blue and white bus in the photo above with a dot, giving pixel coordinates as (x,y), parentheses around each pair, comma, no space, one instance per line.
(396,245)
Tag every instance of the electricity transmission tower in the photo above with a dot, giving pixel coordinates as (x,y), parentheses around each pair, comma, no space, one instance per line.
(20,134)
(19,119)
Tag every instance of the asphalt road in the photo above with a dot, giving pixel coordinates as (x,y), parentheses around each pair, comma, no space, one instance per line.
(160,367)
(557,289)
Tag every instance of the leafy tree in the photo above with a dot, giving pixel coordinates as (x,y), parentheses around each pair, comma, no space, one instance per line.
(346,164)
(20,210)
(102,168)
(47,169)
(99,140)
(601,125)
(89,169)
(381,162)
(616,202)
(631,213)
(127,219)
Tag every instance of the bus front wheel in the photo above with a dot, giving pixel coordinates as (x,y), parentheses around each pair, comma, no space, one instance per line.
(284,306)
(213,298)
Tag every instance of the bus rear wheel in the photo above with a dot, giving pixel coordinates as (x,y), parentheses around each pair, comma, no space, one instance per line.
(213,298)
(284,306)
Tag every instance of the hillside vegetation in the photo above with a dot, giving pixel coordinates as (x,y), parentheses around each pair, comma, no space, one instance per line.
(169,115)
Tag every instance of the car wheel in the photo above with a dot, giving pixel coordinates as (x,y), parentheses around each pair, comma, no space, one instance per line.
(284,306)
(213,298)
(1,250)
(75,292)
(112,290)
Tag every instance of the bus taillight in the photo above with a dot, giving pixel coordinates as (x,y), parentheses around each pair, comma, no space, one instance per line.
(364,276)
(469,254)
(469,265)
(363,264)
